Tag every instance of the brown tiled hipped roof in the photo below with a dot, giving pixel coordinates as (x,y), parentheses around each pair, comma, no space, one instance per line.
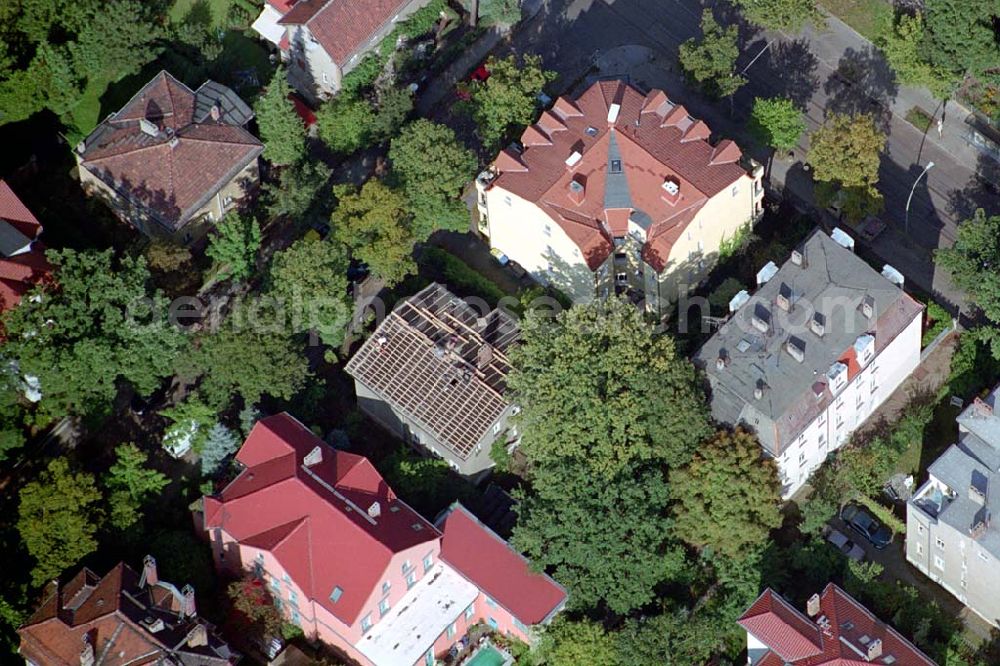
(19,229)
(628,145)
(436,360)
(175,167)
(343,27)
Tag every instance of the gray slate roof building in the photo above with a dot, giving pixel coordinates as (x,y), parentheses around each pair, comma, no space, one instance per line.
(769,365)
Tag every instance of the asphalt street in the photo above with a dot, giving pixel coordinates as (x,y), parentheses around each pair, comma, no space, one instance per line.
(823,70)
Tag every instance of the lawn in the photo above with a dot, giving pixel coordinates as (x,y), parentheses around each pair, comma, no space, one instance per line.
(865,16)
(181,8)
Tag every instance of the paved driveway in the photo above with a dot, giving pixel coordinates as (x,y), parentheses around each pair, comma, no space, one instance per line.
(829,69)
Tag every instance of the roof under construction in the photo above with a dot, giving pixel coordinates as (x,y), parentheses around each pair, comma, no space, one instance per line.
(443,364)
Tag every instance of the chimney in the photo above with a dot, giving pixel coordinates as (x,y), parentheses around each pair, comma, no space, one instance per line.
(795,348)
(375,510)
(198,636)
(982,408)
(784,300)
(868,306)
(188,608)
(573,159)
(314,457)
(812,606)
(670,190)
(149,577)
(818,324)
(758,390)
(577,189)
(798,258)
(215,112)
(87,653)
(721,361)
(976,495)
(874,650)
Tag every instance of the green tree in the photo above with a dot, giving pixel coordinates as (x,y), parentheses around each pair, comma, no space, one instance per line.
(776,123)
(902,39)
(131,484)
(281,129)
(298,190)
(344,124)
(972,263)
(98,324)
(961,36)
(568,642)
(374,225)
(166,256)
(191,422)
(845,151)
(310,277)
(786,15)
(219,444)
(508,98)
(394,104)
(234,245)
(711,61)
(433,167)
(58,517)
(728,497)
(672,638)
(117,40)
(499,12)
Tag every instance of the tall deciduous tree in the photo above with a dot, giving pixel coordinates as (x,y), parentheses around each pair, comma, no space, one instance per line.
(508,98)
(711,61)
(117,40)
(777,123)
(58,517)
(433,168)
(962,37)
(728,497)
(311,279)
(299,189)
(131,484)
(281,129)
(972,262)
(568,642)
(606,406)
(903,40)
(345,123)
(787,15)
(374,224)
(234,245)
(846,150)
(98,324)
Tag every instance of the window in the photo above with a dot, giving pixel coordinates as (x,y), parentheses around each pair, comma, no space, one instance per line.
(964,584)
(920,528)
(494,625)
(861,399)
(496,431)
(939,543)
(429,657)
(822,440)
(547,229)
(470,611)
(411,580)
(383,607)
(451,630)
(520,626)
(920,549)
(506,200)
(429,558)
(366,622)
(335,595)
(386,586)
(616,166)
(802,458)
(490,602)
(276,586)
(326,79)
(407,566)
(938,562)
(293,597)
(822,418)
(295,617)
(736,190)
(983,556)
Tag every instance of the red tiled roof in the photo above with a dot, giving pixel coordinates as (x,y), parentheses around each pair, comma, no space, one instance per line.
(173,174)
(315,522)
(343,27)
(20,272)
(840,636)
(15,212)
(491,564)
(654,139)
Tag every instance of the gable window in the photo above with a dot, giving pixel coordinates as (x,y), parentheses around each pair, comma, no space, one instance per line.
(295,617)
(616,166)
(383,607)
(335,595)
(428,562)
(366,622)
(407,566)
(411,580)
(293,597)
(385,587)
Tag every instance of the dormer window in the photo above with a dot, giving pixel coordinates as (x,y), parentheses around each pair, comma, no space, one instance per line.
(671,187)
(616,166)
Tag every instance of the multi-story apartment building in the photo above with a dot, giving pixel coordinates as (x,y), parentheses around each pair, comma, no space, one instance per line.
(838,631)
(172,161)
(322,40)
(354,566)
(806,358)
(950,535)
(617,191)
(434,373)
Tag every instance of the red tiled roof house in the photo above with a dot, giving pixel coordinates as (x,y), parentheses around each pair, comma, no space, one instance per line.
(121,619)
(618,191)
(357,568)
(837,631)
(172,161)
(322,40)
(22,256)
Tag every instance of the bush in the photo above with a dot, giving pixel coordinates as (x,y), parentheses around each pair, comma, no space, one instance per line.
(938,320)
(445,267)
(919,118)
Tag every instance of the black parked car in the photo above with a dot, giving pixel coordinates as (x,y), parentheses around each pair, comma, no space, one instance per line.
(862,522)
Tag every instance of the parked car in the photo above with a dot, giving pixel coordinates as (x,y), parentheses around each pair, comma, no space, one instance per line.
(861,521)
(845,545)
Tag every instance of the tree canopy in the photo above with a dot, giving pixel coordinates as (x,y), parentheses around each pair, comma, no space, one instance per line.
(508,99)
(903,40)
(961,36)
(777,123)
(433,168)
(58,518)
(344,123)
(711,61)
(846,150)
(787,15)
(234,245)
(374,225)
(728,497)
(99,323)
(131,484)
(281,129)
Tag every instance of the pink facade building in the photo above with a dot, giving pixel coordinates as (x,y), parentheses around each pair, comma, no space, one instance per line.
(357,568)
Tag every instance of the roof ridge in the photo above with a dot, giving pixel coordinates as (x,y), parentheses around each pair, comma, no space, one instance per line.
(129,151)
(638,144)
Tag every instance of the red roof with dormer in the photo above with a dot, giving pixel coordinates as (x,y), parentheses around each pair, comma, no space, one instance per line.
(480,555)
(20,271)
(841,633)
(624,145)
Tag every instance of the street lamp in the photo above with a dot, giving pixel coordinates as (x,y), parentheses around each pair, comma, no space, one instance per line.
(927,168)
